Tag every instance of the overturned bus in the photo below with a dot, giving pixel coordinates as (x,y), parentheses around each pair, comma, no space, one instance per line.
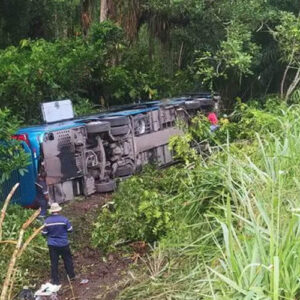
(86,155)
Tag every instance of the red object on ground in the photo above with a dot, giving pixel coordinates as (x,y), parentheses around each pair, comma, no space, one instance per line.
(212,118)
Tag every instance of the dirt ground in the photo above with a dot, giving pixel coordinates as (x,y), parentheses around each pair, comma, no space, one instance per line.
(106,276)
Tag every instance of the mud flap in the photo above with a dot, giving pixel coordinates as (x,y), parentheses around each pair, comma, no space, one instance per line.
(59,158)
(61,165)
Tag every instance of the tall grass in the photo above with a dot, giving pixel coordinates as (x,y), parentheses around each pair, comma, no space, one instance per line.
(238,234)
(260,246)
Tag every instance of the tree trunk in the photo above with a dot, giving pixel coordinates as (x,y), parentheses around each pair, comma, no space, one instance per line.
(103,10)
(180,56)
(283,81)
(285,75)
(293,85)
(86,19)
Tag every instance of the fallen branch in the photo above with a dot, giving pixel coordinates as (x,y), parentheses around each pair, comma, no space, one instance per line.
(11,286)
(4,208)
(71,286)
(8,242)
(25,245)
(31,219)
(8,282)
(11,266)
(33,235)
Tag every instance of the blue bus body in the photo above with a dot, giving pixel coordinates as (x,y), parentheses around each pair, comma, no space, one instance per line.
(86,155)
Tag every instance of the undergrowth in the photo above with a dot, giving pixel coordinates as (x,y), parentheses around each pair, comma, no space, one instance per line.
(232,229)
(34,261)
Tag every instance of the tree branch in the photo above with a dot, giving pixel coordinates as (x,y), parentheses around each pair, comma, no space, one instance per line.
(4,208)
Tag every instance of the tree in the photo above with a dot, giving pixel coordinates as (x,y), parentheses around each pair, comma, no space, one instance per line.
(103,10)
(236,54)
(288,36)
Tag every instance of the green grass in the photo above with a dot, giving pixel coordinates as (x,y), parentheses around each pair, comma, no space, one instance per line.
(237,234)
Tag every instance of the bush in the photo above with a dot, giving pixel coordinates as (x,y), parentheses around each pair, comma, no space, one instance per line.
(84,107)
(12,156)
(140,210)
(243,124)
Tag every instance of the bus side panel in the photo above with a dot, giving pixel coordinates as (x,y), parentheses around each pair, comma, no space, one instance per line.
(7,186)
(27,182)
(26,193)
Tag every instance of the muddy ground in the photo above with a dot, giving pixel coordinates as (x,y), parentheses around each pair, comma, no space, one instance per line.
(106,275)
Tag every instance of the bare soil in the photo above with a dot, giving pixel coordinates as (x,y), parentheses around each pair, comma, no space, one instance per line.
(106,276)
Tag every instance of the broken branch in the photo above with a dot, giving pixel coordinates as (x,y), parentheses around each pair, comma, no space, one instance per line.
(4,208)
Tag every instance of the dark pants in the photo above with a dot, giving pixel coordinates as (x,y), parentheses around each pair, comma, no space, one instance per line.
(43,204)
(65,252)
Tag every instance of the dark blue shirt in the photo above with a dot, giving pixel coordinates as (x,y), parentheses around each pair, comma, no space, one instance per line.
(56,229)
(41,189)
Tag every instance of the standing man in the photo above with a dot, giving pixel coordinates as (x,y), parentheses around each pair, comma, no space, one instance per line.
(42,196)
(56,230)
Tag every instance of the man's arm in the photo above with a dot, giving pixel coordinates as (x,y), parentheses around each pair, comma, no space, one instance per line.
(46,196)
(45,191)
(44,231)
(69,226)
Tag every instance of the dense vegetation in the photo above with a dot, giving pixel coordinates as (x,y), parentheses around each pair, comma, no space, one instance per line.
(223,225)
(227,225)
(158,49)
(77,69)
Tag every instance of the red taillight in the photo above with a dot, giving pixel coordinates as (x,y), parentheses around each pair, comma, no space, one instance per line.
(22,137)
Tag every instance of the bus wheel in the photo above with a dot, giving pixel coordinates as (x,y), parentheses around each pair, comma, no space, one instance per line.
(124,171)
(116,120)
(105,187)
(120,130)
(97,127)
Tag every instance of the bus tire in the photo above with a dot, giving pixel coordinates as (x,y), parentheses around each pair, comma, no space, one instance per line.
(116,120)
(120,130)
(105,187)
(124,171)
(97,127)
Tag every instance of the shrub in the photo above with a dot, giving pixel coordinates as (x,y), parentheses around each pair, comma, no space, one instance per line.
(12,156)
(140,210)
